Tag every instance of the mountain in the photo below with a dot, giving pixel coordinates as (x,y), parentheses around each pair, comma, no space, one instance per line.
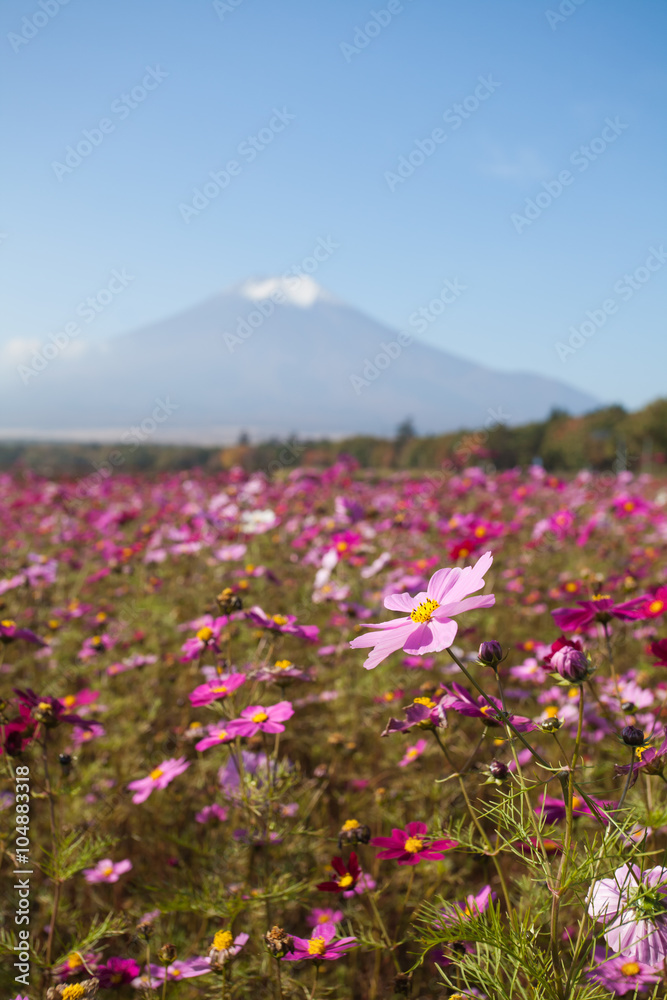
(272,357)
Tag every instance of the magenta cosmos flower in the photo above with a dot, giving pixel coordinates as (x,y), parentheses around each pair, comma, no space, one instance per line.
(320,944)
(107,871)
(160,777)
(428,627)
(633,907)
(621,974)
(257,719)
(412,845)
(216,689)
(117,972)
(600,608)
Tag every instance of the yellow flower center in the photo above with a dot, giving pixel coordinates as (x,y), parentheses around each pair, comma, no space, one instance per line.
(260,717)
(157,773)
(175,972)
(628,505)
(655,607)
(317,946)
(222,735)
(54,623)
(551,711)
(577,802)
(74,961)
(640,751)
(571,588)
(573,693)
(411,752)
(205,634)
(464,553)
(480,532)
(630,969)
(222,940)
(117,978)
(284,664)
(412,845)
(350,824)
(44,706)
(345,880)
(219,690)
(425,701)
(280,619)
(424,611)
(108,870)
(73,992)
(69,700)
(249,567)
(8,623)
(600,597)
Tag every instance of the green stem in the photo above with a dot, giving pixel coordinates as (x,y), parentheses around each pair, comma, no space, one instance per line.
(562,871)
(478,826)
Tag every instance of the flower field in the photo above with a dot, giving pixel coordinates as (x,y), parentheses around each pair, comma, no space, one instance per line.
(333,734)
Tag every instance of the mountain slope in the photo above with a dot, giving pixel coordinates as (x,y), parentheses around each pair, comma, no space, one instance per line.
(311,365)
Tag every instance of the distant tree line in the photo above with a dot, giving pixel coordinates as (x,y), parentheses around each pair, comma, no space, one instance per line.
(605,439)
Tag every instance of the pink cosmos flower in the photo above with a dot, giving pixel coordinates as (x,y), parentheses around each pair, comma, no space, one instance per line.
(217,735)
(412,753)
(473,904)
(214,810)
(216,689)
(621,974)
(9,631)
(428,626)
(412,845)
(257,719)
(107,871)
(633,907)
(320,945)
(324,916)
(187,969)
(159,777)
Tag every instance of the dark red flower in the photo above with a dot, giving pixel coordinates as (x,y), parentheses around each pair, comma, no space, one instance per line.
(348,875)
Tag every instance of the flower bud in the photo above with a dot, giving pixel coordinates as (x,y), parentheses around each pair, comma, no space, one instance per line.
(167,954)
(279,942)
(572,664)
(632,736)
(490,654)
(551,725)
(498,769)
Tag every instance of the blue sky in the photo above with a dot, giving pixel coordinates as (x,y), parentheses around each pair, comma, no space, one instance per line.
(550,78)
